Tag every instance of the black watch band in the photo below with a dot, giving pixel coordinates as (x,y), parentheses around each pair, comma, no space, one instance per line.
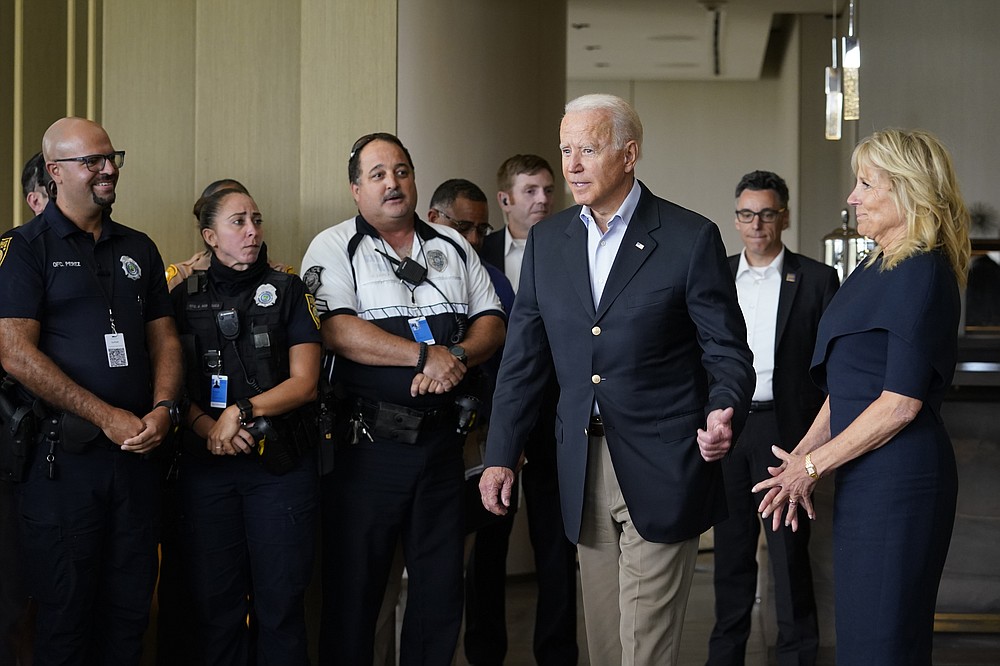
(246,411)
(422,358)
(173,410)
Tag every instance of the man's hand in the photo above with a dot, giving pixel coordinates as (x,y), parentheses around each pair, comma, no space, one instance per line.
(717,437)
(156,426)
(442,372)
(495,488)
(121,425)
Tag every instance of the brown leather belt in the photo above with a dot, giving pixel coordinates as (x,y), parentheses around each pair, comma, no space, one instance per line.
(596,427)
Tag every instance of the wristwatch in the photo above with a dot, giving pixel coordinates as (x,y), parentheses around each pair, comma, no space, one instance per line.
(246,411)
(173,410)
(810,467)
(459,352)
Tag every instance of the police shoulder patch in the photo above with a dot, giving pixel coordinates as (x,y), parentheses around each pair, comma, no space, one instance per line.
(313,278)
(4,244)
(311,304)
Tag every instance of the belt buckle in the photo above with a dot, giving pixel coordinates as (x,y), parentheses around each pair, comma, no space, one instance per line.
(596,426)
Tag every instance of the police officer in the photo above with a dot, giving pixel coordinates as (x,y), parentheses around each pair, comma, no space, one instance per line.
(406,307)
(85,328)
(247,483)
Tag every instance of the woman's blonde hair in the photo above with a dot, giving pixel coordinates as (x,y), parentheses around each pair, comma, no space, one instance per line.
(925,191)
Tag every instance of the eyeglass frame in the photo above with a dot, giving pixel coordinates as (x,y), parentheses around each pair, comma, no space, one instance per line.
(464,226)
(761,214)
(117,158)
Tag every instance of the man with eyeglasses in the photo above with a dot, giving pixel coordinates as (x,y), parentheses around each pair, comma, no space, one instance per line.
(87,332)
(407,309)
(782,295)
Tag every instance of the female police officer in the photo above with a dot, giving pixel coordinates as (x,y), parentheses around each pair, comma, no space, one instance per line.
(248,487)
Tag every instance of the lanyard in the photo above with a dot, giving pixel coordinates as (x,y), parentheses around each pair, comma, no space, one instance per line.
(89,260)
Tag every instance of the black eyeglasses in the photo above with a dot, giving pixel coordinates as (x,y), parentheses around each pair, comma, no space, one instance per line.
(96,163)
(465,226)
(767,215)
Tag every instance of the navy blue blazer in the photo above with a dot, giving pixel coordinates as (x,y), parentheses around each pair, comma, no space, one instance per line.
(807,287)
(666,345)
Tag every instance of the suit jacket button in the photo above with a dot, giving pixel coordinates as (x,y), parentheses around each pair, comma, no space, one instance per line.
(596,379)
(596,330)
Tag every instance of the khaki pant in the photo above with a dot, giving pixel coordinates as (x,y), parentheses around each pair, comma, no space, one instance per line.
(638,586)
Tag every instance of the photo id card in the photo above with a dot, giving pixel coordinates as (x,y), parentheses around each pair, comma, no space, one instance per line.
(114,343)
(420,330)
(218,391)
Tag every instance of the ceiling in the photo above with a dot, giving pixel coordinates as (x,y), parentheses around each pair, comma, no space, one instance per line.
(675,39)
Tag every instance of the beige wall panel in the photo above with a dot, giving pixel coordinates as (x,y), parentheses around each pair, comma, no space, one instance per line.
(469,98)
(148,109)
(44,69)
(247,108)
(9,190)
(932,66)
(785,150)
(43,92)
(348,76)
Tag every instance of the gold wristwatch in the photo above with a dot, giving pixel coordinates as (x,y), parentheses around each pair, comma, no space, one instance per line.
(810,468)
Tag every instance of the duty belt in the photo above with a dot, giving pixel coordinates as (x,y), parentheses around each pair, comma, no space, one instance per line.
(386,420)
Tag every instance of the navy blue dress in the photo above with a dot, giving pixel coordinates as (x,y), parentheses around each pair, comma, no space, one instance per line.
(894,507)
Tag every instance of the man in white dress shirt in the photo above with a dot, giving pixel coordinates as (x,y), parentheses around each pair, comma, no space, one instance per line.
(782,295)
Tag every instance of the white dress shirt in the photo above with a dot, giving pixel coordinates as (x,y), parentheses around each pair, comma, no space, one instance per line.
(758,288)
(602,248)
(513,255)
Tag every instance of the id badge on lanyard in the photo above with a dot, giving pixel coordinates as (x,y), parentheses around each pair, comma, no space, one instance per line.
(114,344)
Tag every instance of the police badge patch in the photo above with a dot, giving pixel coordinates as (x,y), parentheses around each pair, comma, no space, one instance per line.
(132,270)
(266,295)
(313,278)
(437,260)
(4,244)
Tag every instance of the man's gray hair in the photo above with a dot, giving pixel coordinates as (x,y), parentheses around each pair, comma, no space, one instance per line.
(625,123)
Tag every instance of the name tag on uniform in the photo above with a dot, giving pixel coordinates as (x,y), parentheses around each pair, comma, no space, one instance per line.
(421,330)
(114,343)
(218,391)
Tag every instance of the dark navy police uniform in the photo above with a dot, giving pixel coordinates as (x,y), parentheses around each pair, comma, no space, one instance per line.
(90,532)
(384,489)
(244,527)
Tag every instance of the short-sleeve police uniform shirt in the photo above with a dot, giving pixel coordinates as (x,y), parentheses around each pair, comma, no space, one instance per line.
(54,273)
(347,270)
